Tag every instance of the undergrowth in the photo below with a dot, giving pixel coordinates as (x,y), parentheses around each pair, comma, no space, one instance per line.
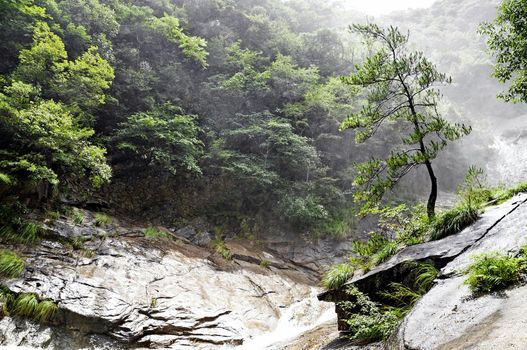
(495,271)
(370,321)
(102,219)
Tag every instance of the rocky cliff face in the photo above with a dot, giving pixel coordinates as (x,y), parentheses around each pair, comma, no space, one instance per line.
(117,289)
(449,317)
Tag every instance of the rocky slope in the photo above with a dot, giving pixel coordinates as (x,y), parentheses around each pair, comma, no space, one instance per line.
(449,316)
(117,289)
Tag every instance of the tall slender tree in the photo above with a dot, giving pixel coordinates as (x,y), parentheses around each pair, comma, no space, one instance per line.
(401,89)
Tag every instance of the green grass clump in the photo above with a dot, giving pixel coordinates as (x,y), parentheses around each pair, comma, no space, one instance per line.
(77,216)
(153,232)
(102,219)
(11,265)
(337,275)
(372,252)
(265,263)
(24,233)
(45,311)
(25,305)
(221,248)
(494,271)
(453,221)
(28,305)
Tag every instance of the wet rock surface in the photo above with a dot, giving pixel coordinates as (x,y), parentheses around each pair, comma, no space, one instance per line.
(122,290)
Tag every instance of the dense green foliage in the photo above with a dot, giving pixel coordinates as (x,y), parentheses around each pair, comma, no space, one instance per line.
(367,321)
(370,321)
(506,39)
(235,101)
(494,271)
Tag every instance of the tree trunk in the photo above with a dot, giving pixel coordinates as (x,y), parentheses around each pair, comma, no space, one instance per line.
(431,205)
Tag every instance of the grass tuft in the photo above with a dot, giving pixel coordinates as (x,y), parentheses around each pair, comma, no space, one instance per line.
(11,265)
(221,248)
(45,311)
(337,275)
(453,221)
(26,305)
(153,232)
(102,219)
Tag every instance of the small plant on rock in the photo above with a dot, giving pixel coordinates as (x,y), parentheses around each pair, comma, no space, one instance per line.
(102,219)
(11,265)
(45,311)
(25,305)
(78,216)
(153,232)
(221,248)
(337,275)
(494,271)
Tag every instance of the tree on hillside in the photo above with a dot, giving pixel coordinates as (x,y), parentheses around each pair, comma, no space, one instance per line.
(401,93)
(507,41)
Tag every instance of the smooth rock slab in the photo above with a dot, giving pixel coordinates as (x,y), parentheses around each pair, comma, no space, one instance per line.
(448,317)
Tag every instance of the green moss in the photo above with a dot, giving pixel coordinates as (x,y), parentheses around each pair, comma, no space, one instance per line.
(11,265)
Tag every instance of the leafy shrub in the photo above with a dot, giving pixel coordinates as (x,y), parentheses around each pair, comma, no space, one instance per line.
(11,265)
(367,321)
(337,275)
(494,271)
(102,219)
(453,221)
(154,232)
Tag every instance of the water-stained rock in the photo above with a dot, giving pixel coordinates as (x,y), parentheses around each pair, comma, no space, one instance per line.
(154,293)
